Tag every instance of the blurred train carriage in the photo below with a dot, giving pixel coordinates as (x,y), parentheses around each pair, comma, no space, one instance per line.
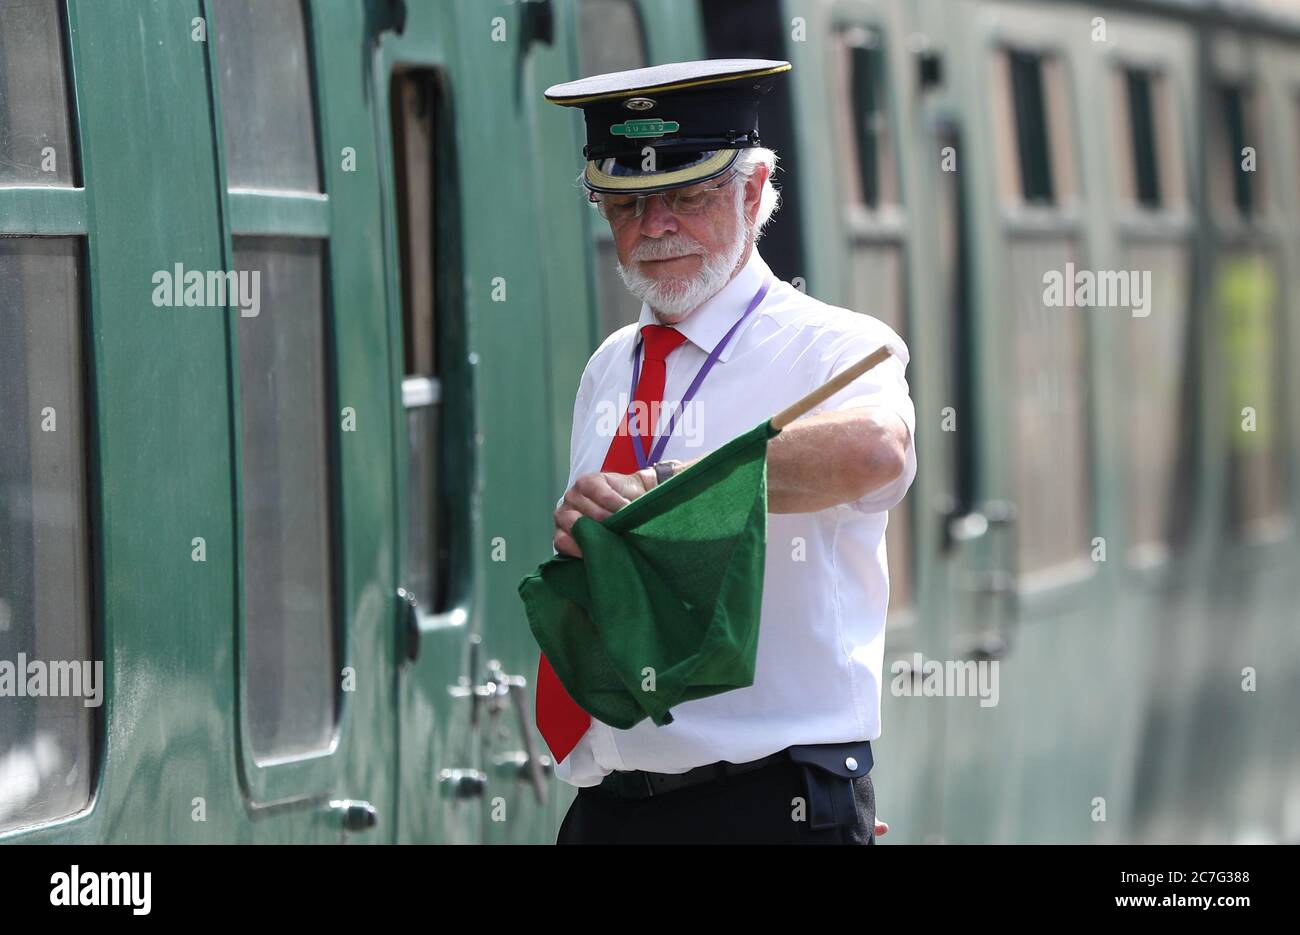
(293,537)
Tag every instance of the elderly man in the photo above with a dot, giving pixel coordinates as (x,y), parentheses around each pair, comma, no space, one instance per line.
(676,169)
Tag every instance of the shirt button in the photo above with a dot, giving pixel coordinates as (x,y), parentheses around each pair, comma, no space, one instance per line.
(851,763)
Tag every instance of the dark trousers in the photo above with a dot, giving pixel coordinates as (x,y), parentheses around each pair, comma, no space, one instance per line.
(765,806)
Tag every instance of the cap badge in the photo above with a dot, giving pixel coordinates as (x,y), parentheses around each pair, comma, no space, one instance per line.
(639,103)
(646,126)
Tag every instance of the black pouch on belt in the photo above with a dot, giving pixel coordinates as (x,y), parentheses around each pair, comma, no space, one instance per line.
(828,773)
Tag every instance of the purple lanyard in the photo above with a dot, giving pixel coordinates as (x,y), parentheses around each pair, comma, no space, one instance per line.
(658,448)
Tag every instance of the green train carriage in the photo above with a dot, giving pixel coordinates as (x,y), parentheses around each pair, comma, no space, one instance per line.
(352,663)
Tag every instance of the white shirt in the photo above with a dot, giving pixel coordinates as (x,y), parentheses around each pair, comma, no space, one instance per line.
(826,585)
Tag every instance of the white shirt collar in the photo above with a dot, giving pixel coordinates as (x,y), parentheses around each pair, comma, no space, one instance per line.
(709,323)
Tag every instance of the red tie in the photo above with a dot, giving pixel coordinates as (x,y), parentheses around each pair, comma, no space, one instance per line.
(559,718)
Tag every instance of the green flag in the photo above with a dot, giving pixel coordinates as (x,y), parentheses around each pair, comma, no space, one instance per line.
(664,605)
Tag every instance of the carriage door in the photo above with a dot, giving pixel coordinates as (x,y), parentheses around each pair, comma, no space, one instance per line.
(313,477)
(1027,568)
(443,784)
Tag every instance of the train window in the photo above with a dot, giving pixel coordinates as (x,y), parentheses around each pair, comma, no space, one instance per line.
(1254,340)
(1237,182)
(863,117)
(414,104)
(1149,152)
(34,122)
(611,36)
(268,123)
(1142,136)
(1031,111)
(45,741)
(1031,127)
(284,410)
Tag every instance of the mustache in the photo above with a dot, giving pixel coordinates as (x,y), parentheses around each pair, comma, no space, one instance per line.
(664,249)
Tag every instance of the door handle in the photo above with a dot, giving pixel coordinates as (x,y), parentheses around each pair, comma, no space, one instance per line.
(513,690)
(408,624)
(354,815)
(995,582)
(975,524)
(462,783)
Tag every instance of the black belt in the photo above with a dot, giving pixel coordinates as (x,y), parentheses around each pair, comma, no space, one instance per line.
(848,760)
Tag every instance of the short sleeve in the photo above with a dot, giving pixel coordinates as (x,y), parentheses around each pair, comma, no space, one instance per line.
(884,385)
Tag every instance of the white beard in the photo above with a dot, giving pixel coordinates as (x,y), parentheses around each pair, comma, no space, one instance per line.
(676,297)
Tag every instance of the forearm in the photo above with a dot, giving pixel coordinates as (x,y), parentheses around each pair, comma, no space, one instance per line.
(815,463)
(835,457)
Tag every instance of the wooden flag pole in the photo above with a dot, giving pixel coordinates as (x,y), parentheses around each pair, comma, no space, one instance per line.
(828,389)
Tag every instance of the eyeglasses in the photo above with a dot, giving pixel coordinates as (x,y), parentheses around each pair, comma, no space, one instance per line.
(619,208)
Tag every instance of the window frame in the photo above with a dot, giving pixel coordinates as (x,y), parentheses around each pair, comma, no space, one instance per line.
(258,213)
(1174,217)
(1062,215)
(1144,147)
(1245,93)
(886,222)
(67,27)
(1233,227)
(293,209)
(62,211)
(452,359)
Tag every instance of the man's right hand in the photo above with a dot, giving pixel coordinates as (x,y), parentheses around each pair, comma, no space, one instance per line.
(596,496)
